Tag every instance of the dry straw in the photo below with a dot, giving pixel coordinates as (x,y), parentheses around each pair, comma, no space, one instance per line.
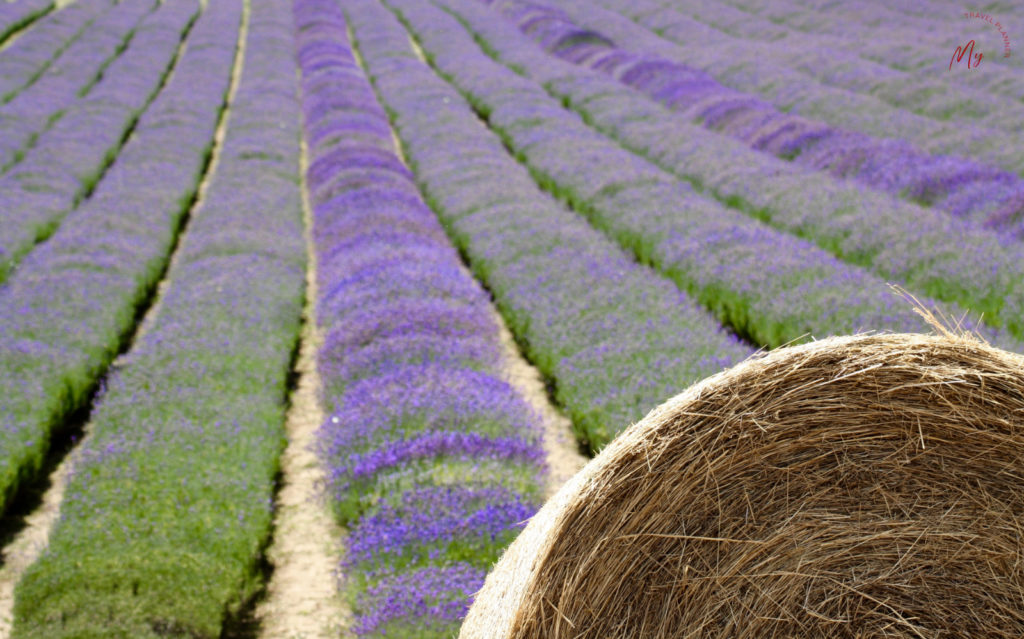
(864,486)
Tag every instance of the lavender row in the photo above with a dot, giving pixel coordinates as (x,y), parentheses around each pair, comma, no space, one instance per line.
(878,32)
(15,16)
(985,195)
(70,77)
(32,54)
(432,459)
(923,249)
(935,94)
(169,504)
(708,49)
(767,285)
(72,306)
(593,320)
(66,161)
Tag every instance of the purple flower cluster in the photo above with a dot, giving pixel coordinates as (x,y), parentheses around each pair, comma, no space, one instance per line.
(438,597)
(64,163)
(875,32)
(432,458)
(986,195)
(925,250)
(766,284)
(14,16)
(71,75)
(592,319)
(72,304)
(168,506)
(741,65)
(26,60)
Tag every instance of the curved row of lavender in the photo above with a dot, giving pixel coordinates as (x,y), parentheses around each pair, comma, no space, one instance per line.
(433,460)
(26,59)
(687,41)
(169,504)
(595,322)
(989,196)
(939,94)
(768,285)
(72,305)
(65,162)
(923,249)
(70,77)
(15,16)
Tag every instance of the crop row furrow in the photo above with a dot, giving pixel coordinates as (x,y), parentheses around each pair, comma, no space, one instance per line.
(587,315)
(734,65)
(31,55)
(432,458)
(73,305)
(768,285)
(69,78)
(65,163)
(923,249)
(169,504)
(17,16)
(987,196)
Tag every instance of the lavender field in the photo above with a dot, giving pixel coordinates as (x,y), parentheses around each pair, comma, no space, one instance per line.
(307,306)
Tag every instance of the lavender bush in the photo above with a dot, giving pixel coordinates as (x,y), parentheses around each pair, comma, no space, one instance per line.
(169,504)
(32,54)
(67,160)
(965,188)
(786,88)
(15,16)
(923,249)
(936,95)
(767,285)
(72,305)
(592,319)
(433,460)
(71,75)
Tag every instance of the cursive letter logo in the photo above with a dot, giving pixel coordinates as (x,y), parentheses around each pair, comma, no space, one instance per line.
(958,55)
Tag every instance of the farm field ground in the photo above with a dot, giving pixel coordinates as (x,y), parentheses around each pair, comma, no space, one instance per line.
(306,306)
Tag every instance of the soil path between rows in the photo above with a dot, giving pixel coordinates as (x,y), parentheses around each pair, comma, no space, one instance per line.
(302,600)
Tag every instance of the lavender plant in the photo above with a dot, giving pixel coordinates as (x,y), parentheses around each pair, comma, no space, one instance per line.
(591,318)
(765,284)
(66,161)
(989,196)
(433,460)
(72,306)
(72,74)
(825,59)
(16,16)
(26,60)
(786,88)
(923,249)
(168,507)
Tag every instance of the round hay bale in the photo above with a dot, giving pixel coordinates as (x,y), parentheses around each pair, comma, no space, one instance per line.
(864,486)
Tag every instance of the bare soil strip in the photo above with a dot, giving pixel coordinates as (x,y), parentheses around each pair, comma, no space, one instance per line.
(26,547)
(302,599)
(31,541)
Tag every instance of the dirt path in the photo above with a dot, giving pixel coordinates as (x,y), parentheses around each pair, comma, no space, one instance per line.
(30,542)
(302,600)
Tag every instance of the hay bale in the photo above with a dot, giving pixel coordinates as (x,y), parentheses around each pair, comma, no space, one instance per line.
(864,486)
